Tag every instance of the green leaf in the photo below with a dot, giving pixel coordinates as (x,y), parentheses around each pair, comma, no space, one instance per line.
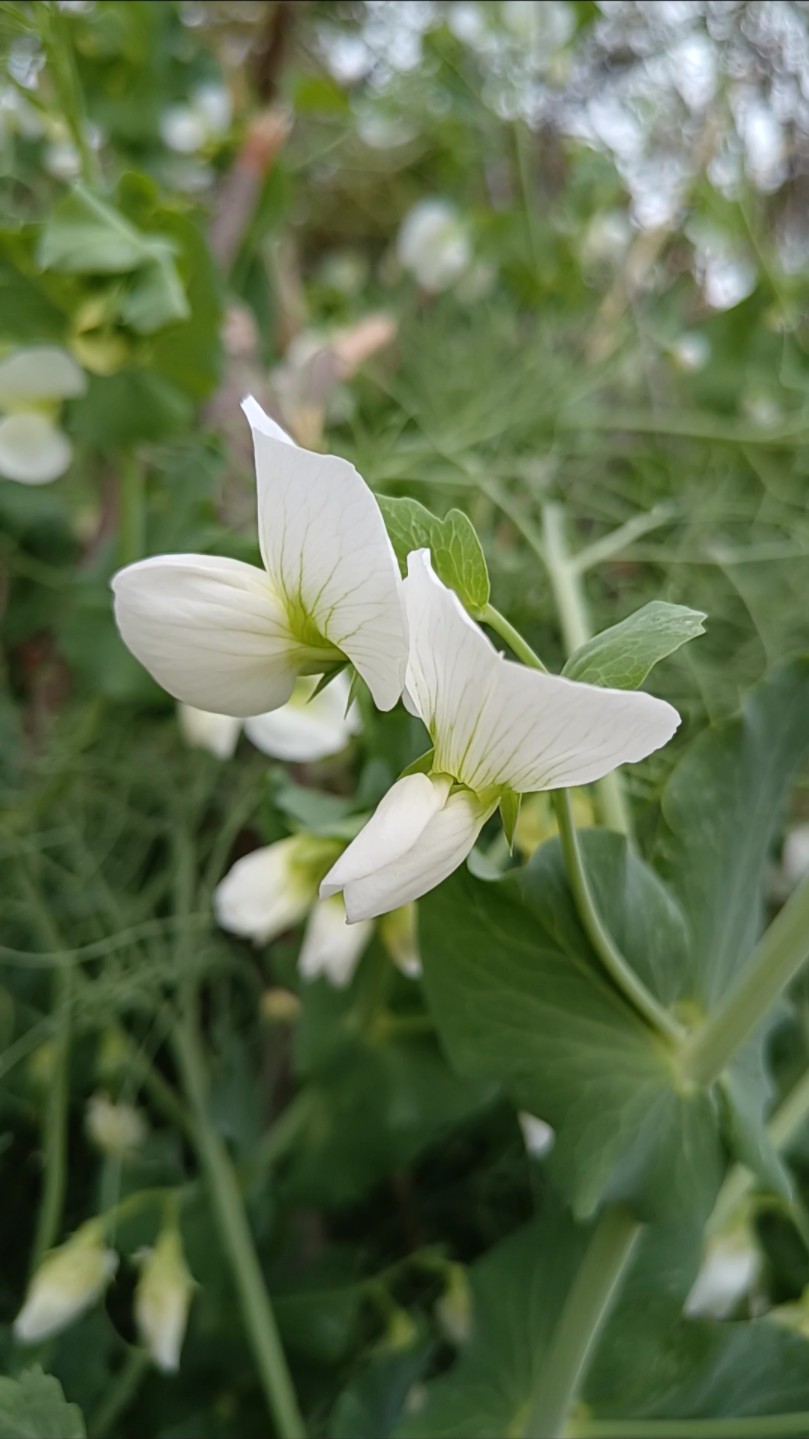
(85,236)
(518,1293)
(721,808)
(155,297)
(622,656)
(457,555)
(371,1405)
(34,1407)
(519,997)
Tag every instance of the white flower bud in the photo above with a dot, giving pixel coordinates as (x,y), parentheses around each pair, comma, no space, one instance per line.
(162,1300)
(115,1129)
(730,1267)
(68,1281)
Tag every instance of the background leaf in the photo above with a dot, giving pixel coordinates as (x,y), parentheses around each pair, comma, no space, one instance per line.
(457,554)
(622,656)
(34,1407)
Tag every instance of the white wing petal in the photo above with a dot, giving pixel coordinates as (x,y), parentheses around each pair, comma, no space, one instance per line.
(307,729)
(494,722)
(209,630)
(327,551)
(397,824)
(262,895)
(432,853)
(331,946)
(33,450)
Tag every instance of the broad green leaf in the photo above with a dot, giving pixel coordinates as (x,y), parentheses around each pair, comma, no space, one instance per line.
(519,997)
(85,236)
(34,1407)
(456,551)
(373,1402)
(622,656)
(518,1293)
(155,296)
(721,807)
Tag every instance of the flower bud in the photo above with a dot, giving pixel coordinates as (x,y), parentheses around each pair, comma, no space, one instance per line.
(115,1129)
(730,1269)
(68,1281)
(162,1300)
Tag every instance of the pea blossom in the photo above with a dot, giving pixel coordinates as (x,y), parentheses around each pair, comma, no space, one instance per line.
(231,638)
(68,1281)
(275,887)
(162,1300)
(308,728)
(34,381)
(496,727)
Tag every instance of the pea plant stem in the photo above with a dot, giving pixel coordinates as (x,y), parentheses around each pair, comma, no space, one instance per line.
(613,961)
(54,1131)
(257,1313)
(571,604)
(776,961)
(581,1322)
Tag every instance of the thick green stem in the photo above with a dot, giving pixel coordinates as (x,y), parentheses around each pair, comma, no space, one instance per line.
(616,966)
(54,1130)
(581,1322)
(571,605)
(58,41)
(613,961)
(259,1320)
(779,956)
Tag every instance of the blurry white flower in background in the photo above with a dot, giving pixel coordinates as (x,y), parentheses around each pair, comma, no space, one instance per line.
(307,728)
(274,888)
(18,116)
(607,238)
(33,382)
(691,351)
(434,244)
(205,119)
(725,272)
(795,855)
(545,25)
(68,1281)
(116,1129)
(538,1136)
(730,1268)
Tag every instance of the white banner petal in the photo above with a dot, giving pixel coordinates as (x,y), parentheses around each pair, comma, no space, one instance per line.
(209,630)
(307,728)
(326,549)
(33,450)
(263,894)
(332,947)
(494,722)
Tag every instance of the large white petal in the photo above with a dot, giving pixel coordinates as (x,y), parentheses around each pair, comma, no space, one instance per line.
(326,549)
(332,947)
(397,824)
(33,449)
(210,631)
(494,722)
(370,889)
(263,894)
(219,734)
(307,728)
(40,372)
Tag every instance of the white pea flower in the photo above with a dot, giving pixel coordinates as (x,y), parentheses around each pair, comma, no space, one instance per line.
(228,637)
(275,887)
(68,1281)
(795,855)
(115,1129)
(434,244)
(309,727)
(33,382)
(730,1268)
(496,726)
(163,1299)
